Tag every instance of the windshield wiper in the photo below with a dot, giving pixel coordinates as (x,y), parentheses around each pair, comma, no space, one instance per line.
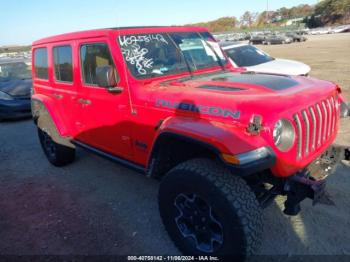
(182,55)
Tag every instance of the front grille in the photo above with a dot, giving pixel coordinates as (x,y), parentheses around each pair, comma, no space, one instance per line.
(315,126)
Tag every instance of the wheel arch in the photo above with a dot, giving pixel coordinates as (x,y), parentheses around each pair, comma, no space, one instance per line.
(181,138)
(172,148)
(47,120)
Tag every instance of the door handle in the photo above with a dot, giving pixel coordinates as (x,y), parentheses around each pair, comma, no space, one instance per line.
(115,90)
(57,96)
(84,101)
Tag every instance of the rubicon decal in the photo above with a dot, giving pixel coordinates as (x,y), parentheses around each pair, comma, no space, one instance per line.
(205,110)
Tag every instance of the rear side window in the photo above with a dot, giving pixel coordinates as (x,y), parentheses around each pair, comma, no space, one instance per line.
(40,63)
(93,56)
(62,56)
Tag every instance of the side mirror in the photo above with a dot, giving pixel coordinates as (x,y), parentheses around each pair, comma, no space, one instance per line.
(105,76)
(344,110)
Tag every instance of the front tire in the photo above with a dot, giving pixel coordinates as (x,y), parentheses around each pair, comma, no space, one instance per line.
(57,154)
(209,211)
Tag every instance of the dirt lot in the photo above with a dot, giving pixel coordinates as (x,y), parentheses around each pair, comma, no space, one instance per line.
(97,207)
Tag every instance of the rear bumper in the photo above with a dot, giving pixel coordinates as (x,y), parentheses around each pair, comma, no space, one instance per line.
(14,109)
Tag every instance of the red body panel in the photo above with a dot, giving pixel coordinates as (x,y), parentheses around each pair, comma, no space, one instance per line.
(120,123)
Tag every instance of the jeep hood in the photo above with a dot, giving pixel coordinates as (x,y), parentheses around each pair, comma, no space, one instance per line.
(244,93)
(251,83)
(246,81)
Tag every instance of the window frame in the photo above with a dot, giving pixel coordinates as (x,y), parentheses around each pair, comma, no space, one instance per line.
(47,64)
(82,74)
(54,68)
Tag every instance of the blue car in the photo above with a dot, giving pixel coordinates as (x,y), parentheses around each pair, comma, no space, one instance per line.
(15,90)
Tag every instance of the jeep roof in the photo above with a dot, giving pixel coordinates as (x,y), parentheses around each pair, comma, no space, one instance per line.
(119,30)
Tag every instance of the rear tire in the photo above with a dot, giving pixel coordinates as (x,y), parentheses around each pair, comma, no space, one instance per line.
(58,155)
(209,211)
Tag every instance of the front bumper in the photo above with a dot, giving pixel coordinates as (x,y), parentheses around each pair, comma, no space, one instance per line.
(253,162)
(14,109)
(308,183)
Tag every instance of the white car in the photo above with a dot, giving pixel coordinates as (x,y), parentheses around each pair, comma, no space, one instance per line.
(341,29)
(256,60)
(320,31)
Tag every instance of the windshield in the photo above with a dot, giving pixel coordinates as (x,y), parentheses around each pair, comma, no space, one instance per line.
(248,55)
(153,55)
(14,71)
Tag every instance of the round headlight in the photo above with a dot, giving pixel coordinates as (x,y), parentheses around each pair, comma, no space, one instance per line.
(284,135)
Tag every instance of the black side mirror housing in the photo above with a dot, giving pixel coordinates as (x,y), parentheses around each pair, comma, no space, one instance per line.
(106,76)
(344,110)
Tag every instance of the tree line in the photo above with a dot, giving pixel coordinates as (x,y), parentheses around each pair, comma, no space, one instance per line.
(329,12)
(326,12)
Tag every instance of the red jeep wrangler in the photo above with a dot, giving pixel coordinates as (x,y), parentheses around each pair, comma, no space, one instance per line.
(166,102)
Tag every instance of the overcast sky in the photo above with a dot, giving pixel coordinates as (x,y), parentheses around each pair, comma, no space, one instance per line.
(23,21)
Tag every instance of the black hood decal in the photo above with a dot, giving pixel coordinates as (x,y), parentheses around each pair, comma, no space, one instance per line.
(220,88)
(274,82)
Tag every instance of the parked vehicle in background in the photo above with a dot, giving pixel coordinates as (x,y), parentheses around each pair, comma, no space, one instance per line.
(320,31)
(303,31)
(232,37)
(256,60)
(296,37)
(166,102)
(15,89)
(340,29)
(277,39)
(257,39)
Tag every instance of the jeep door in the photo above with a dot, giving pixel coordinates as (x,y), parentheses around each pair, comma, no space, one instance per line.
(63,83)
(104,115)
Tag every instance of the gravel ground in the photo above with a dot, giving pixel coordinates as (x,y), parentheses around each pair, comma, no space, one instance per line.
(97,207)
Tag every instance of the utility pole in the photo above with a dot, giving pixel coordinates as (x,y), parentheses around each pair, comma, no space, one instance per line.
(267,11)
